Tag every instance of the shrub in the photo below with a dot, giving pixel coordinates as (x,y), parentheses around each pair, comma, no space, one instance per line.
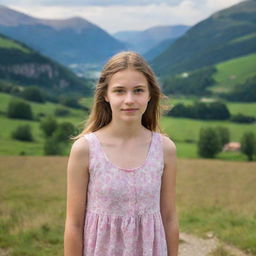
(60,111)
(19,109)
(22,132)
(48,125)
(241,118)
(33,93)
(209,143)
(52,147)
(64,131)
(248,146)
(224,135)
(70,101)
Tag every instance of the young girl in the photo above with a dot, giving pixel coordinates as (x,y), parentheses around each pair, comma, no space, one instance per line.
(121,173)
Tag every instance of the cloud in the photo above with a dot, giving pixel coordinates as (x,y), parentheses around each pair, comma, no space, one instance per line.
(116,18)
(91,2)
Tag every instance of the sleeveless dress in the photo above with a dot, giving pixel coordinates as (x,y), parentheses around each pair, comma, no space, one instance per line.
(122,216)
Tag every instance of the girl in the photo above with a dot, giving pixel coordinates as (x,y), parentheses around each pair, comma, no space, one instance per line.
(121,172)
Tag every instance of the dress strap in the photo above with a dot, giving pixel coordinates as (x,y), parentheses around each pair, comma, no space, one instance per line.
(93,151)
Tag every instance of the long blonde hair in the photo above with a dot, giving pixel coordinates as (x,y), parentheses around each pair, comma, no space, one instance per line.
(101,114)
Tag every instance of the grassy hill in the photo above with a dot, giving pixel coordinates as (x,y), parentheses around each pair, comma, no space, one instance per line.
(232,72)
(183,131)
(225,77)
(225,35)
(21,66)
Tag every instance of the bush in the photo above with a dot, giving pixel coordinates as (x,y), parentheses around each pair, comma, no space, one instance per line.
(248,146)
(224,135)
(240,118)
(209,143)
(33,93)
(23,133)
(64,131)
(61,111)
(216,110)
(48,125)
(70,101)
(19,109)
(52,147)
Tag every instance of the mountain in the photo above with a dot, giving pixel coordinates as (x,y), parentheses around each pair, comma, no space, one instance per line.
(23,66)
(227,34)
(68,41)
(143,41)
(158,49)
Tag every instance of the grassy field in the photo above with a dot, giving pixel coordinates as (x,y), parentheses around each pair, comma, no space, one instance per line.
(183,131)
(232,72)
(212,196)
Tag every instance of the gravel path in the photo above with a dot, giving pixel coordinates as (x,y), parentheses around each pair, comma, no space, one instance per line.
(193,246)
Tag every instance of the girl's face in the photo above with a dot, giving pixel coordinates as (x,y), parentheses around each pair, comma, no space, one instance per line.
(128,95)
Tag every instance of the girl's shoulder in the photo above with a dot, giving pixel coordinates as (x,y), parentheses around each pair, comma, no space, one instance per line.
(80,147)
(169,146)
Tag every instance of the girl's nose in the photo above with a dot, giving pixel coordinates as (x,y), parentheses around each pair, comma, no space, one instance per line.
(129,97)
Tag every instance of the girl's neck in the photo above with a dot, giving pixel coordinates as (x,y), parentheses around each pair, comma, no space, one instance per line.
(125,130)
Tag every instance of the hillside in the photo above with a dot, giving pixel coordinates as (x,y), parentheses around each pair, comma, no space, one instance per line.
(69,41)
(227,34)
(232,72)
(23,66)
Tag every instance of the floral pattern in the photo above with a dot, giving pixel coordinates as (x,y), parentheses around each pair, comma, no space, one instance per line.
(122,215)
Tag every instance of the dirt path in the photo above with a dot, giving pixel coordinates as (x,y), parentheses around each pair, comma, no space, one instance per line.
(193,246)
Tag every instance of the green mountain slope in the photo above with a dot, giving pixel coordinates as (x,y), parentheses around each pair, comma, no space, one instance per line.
(227,34)
(22,65)
(232,72)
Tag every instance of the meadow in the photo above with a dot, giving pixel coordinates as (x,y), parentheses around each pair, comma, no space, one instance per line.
(212,196)
(183,131)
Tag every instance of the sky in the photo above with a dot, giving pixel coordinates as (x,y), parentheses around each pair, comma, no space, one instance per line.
(120,15)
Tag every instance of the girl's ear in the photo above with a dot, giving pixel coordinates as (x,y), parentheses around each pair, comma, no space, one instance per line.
(106,98)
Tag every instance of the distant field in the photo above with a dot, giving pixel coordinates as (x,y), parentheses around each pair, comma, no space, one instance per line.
(212,196)
(181,130)
(232,72)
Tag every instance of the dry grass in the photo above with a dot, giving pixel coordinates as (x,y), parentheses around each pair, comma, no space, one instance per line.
(33,200)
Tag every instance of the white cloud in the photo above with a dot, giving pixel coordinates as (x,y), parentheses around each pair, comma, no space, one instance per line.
(116,18)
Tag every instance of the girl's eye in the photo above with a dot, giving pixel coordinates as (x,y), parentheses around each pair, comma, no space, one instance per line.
(119,91)
(139,90)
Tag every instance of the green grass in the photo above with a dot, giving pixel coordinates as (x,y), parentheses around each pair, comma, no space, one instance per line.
(7,43)
(215,196)
(212,196)
(232,72)
(183,131)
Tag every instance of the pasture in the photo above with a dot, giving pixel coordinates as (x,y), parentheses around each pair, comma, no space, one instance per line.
(183,131)
(212,196)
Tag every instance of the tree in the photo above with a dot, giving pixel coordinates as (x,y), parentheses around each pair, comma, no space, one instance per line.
(22,132)
(33,93)
(52,147)
(48,125)
(209,143)
(248,145)
(64,131)
(19,109)
(224,135)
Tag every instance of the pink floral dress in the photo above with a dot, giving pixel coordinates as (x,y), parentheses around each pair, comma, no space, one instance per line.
(122,215)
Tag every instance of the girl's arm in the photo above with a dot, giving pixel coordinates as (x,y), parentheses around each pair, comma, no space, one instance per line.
(168,197)
(77,180)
